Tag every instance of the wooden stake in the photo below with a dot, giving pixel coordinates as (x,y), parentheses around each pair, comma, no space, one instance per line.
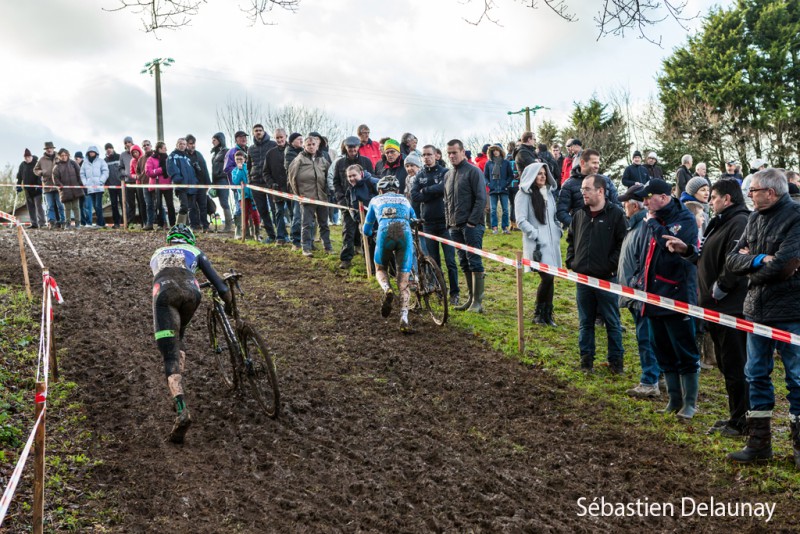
(124,208)
(244,213)
(520,325)
(53,356)
(24,259)
(38,464)
(365,240)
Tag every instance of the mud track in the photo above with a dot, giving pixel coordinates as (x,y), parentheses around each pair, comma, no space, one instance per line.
(379,432)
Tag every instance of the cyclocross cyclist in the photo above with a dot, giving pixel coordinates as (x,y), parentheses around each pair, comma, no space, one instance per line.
(176,295)
(392,211)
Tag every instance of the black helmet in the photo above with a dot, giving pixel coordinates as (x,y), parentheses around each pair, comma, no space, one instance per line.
(181,233)
(388,183)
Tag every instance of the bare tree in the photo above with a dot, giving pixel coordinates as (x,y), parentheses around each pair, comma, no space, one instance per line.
(239,114)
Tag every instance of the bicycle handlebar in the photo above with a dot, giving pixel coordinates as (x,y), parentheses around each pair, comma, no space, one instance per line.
(231,275)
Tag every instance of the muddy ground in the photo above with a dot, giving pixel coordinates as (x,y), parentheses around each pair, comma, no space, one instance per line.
(379,432)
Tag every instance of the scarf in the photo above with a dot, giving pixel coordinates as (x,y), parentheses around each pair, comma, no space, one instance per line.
(496,168)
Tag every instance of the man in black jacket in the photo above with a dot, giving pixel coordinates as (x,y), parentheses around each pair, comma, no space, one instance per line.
(256,155)
(33,195)
(684,174)
(526,152)
(219,153)
(350,232)
(769,255)
(465,202)
(275,178)
(428,191)
(570,198)
(594,243)
(722,291)
(635,173)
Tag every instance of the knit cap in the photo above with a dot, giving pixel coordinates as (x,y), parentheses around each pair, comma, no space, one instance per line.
(694,185)
(27,152)
(413,159)
(294,136)
(391,144)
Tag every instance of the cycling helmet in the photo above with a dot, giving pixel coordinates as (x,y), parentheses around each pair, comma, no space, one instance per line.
(388,183)
(182,234)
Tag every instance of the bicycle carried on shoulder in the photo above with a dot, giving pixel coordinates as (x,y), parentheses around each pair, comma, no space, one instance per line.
(240,350)
(430,288)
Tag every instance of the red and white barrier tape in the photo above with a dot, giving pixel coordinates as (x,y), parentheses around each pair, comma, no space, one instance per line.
(636,294)
(298,198)
(8,494)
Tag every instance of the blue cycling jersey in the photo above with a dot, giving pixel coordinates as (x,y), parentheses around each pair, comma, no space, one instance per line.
(392,212)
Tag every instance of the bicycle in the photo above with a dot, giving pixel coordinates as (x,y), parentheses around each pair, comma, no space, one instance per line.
(247,354)
(430,288)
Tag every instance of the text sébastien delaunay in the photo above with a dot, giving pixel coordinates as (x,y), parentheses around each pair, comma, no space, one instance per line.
(685,507)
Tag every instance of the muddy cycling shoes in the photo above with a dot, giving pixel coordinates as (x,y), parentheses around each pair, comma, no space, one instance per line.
(386,305)
(182,424)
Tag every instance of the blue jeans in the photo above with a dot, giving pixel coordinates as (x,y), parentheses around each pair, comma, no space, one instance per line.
(760,364)
(115,195)
(592,302)
(432,249)
(297,223)
(55,209)
(503,198)
(472,237)
(95,201)
(281,207)
(672,340)
(150,200)
(647,359)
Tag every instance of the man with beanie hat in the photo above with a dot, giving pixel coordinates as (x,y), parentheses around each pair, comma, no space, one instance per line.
(635,173)
(684,174)
(33,195)
(391,163)
(350,231)
(413,164)
(652,167)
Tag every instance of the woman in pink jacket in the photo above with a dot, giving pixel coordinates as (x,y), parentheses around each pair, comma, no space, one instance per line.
(156,170)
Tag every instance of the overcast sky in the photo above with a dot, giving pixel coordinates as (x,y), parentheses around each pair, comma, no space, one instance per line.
(72,70)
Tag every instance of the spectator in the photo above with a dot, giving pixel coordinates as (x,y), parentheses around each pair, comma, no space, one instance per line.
(256,156)
(275,178)
(555,148)
(482,158)
(757,165)
(200,167)
(724,292)
(413,165)
(156,170)
(295,147)
(794,191)
(33,195)
(570,198)
(78,157)
(546,157)
(498,174)
(391,163)
(129,178)
(702,171)
(219,153)
(362,186)
(369,148)
(112,159)
(94,175)
(149,199)
(732,172)
(307,178)
(240,176)
(628,266)
(465,201)
(44,170)
(575,149)
(667,274)
(241,144)
(341,185)
(792,177)
(697,193)
(541,233)
(635,173)
(182,173)
(684,174)
(594,240)
(652,167)
(67,176)
(138,194)
(767,254)
(428,192)
(526,152)
(408,145)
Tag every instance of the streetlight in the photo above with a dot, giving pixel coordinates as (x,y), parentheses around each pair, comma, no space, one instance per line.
(527,111)
(154,67)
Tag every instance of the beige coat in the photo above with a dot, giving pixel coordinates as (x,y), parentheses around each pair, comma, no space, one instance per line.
(308,176)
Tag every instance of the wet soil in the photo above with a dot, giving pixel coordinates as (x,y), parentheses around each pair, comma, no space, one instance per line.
(379,431)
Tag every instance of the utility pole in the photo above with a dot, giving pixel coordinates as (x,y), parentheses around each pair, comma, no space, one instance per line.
(527,111)
(154,68)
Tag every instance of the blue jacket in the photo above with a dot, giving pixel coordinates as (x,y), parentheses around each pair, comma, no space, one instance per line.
(363,191)
(180,170)
(94,173)
(635,173)
(498,186)
(665,273)
(239,176)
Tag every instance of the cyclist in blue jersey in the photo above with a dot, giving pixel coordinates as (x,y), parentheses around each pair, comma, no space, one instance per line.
(392,211)
(176,295)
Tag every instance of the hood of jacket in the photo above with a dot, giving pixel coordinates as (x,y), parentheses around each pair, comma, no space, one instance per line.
(92,148)
(219,136)
(493,149)
(136,147)
(529,177)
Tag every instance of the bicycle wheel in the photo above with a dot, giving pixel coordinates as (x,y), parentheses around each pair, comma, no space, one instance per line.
(260,371)
(226,350)
(433,290)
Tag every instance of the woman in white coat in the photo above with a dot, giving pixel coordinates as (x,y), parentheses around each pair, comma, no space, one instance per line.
(535,209)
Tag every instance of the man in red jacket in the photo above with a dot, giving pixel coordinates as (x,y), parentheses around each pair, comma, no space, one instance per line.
(369,148)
